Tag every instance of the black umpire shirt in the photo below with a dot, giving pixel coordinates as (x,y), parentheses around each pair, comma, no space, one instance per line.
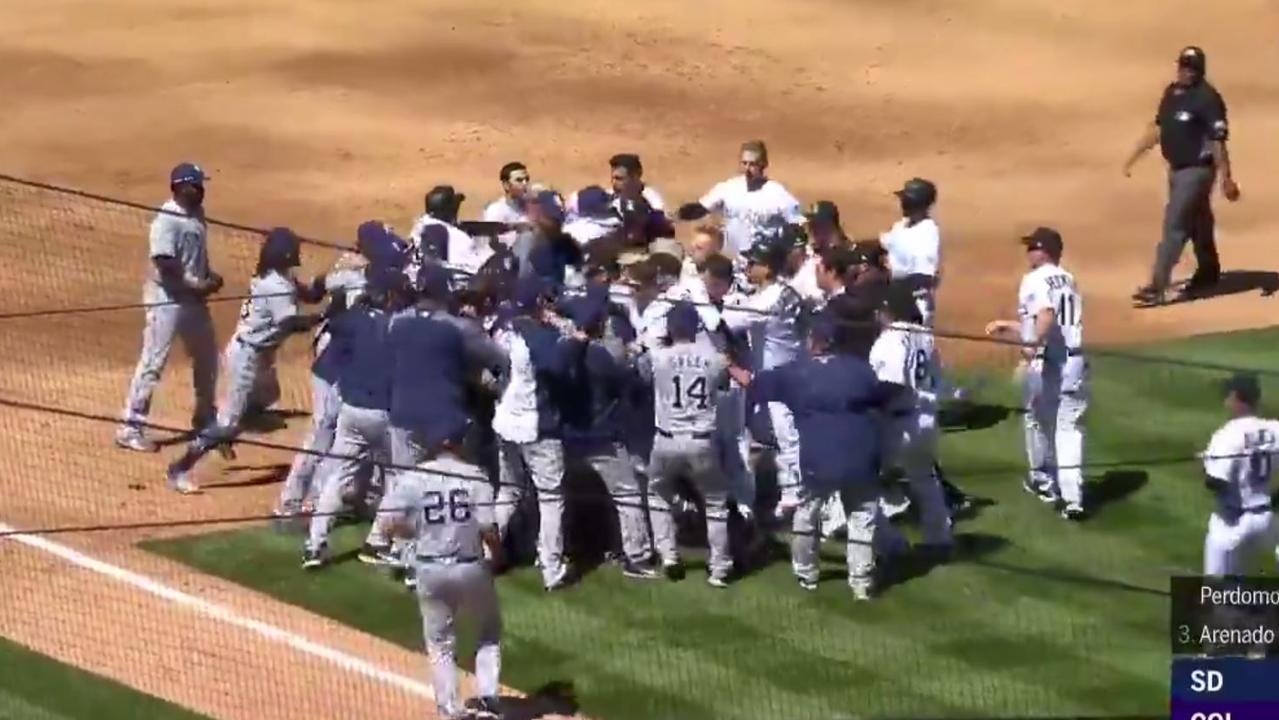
(1189,120)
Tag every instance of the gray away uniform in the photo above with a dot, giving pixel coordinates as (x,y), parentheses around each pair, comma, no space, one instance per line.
(448,503)
(175,234)
(687,379)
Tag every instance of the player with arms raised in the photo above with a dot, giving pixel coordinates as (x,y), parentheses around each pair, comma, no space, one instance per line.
(1237,467)
(1054,373)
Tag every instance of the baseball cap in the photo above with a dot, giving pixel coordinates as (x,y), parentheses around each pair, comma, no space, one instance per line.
(919,191)
(771,252)
(187,173)
(1192,57)
(548,202)
(823,212)
(443,198)
(433,281)
(282,245)
(1046,239)
(588,310)
(1243,386)
(368,236)
(529,290)
(382,278)
(682,320)
(593,202)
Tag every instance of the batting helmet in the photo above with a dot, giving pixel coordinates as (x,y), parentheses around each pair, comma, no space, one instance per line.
(917,194)
(281,250)
(770,252)
(1193,57)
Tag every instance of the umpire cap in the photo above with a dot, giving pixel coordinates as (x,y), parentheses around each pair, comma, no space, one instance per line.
(443,199)
(918,193)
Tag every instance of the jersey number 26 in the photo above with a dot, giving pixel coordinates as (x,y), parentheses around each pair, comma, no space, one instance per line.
(437,508)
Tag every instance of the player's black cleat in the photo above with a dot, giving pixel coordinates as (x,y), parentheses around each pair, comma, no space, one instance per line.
(1073,512)
(673,570)
(486,708)
(639,571)
(806,584)
(313,559)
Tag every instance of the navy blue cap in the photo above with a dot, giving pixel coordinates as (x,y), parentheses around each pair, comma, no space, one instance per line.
(1045,239)
(281,248)
(529,290)
(433,281)
(594,201)
(382,278)
(549,203)
(682,321)
(590,309)
(187,173)
(370,237)
(434,242)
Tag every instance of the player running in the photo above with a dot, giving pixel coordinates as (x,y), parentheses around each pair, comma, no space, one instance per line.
(444,509)
(268,316)
(1054,373)
(1237,466)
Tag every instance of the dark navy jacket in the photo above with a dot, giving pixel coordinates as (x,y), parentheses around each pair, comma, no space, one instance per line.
(360,336)
(834,399)
(596,413)
(554,359)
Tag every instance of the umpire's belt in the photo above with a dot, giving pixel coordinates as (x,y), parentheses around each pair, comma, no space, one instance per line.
(448,559)
(693,435)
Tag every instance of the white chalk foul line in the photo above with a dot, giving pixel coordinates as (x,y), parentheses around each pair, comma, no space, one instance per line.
(222,613)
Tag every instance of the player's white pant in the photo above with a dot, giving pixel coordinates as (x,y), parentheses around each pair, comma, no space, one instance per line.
(696,458)
(861,500)
(244,364)
(1233,539)
(194,325)
(444,591)
(734,445)
(543,462)
(362,437)
(1054,434)
(299,485)
(787,438)
(910,443)
(613,464)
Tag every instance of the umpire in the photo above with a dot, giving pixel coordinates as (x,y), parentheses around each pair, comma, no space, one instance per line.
(1190,128)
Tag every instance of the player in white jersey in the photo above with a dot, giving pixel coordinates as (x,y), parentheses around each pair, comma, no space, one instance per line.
(509,209)
(445,508)
(461,252)
(267,317)
(1237,465)
(178,282)
(913,245)
(905,360)
(1054,373)
(752,204)
(687,376)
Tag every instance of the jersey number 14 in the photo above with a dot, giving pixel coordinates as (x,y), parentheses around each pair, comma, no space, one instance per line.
(694,395)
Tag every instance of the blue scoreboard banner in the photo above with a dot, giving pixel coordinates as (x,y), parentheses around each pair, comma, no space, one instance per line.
(1229,688)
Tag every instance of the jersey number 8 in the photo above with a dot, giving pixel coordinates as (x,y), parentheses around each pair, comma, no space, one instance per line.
(438,509)
(918,368)
(694,393)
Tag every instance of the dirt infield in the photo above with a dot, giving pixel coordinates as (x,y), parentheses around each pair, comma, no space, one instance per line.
(323,114)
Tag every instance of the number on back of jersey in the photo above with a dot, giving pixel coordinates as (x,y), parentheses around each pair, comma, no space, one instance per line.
(439,508)
(919,370)
(689,391)
(1260,447)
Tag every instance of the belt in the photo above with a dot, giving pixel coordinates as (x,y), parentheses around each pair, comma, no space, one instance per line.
(248,344)
(1069,353)
(447,559)
(693,435)
(1208,162)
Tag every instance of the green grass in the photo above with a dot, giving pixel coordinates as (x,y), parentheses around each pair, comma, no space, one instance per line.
(1036,617)
(35,687)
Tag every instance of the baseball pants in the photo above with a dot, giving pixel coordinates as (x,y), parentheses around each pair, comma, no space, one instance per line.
(861,502)
(408,450)
(913,449)
(193,324)
(698,460)
(443,592)
(299,485)
(1054,434)
(1232,541)
(787,437)
(733,445)
(542,462)
(613,465)
(244,363)
(1188,215)
(362,437)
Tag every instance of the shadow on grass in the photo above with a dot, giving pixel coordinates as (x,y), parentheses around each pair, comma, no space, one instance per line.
(558,697)
(272,474)
(1114,486)
(968,416)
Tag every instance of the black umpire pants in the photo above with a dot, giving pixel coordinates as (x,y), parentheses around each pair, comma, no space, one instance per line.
(1188,216)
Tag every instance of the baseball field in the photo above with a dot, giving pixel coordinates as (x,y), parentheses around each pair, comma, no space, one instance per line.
(324,114)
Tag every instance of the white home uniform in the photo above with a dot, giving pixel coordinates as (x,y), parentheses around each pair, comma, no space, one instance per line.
(904,355)
(465,253)
(1239,458)
(751,214)
(1056,383)
(914,255)
(650,195)
(805,280)
(511,212)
